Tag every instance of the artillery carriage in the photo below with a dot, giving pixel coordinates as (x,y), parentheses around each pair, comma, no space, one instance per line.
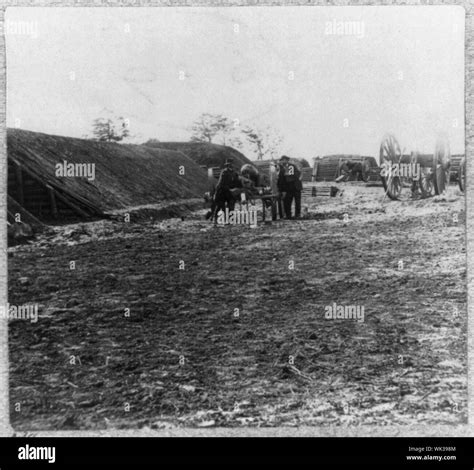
(403,175)
(263,188)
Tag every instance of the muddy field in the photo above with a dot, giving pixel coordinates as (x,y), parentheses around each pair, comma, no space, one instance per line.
(182,355)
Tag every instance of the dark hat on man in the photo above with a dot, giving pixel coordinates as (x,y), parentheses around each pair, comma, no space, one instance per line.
(229,162)
(284,158)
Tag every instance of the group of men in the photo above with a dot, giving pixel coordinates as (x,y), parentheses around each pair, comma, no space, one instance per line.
(352,171)
(288,183)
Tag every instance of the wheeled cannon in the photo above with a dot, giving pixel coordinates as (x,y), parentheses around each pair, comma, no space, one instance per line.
(254,185)
(405,175)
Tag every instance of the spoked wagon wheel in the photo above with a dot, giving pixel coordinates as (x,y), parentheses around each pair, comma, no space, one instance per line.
(462,175)
(396,187)
(425,181)
(441,166)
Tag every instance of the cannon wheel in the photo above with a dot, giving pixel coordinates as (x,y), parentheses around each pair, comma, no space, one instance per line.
(462,175)
(441,166)
(425,182)
(390,153)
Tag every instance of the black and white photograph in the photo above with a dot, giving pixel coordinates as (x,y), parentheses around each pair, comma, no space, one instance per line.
(236,217)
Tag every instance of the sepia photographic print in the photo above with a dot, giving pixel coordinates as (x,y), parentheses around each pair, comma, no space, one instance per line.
(235,217)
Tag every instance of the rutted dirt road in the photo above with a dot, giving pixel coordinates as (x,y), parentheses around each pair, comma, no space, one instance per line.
(186,357)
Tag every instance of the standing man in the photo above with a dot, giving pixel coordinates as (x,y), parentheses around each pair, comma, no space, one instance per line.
(229,179)
(290,186)
(281,185)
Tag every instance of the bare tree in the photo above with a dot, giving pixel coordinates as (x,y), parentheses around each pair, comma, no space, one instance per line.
(215,128)
(231,138)
(109,130)
(265,142)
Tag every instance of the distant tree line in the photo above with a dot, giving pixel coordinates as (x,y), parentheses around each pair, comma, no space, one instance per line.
(216,128)
(210,128)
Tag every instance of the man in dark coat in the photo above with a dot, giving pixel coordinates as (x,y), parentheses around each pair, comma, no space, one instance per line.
(229,179)
(290,186)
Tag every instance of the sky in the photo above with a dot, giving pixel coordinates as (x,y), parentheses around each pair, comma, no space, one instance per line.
(327,79)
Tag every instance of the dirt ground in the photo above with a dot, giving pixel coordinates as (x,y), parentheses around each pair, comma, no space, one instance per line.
(184,356)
